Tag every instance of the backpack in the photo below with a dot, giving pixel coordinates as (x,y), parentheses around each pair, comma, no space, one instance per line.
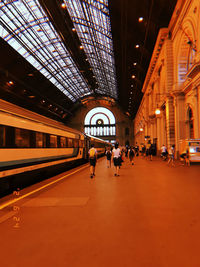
(131,152)
(92,153)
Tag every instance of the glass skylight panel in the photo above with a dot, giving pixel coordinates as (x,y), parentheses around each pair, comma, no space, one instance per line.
(25,26)
(89,16)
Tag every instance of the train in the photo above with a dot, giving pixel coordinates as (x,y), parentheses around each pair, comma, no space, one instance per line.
(34,147)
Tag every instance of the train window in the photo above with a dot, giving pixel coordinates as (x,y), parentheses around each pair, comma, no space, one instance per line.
(53,140)
(63,141)
(75,143)
(22,138)
(2,136)
(70,142)
(39,139)
(80,143)
(32,139)
(10,137)
(45,140)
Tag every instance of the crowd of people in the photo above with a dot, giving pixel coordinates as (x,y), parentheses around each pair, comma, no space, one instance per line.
(116,155)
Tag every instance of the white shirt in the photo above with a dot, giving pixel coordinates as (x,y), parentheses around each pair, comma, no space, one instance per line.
(171,150)
(116,153)
(163,149)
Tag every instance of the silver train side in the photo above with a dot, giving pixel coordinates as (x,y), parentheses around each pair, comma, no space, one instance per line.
(33,147)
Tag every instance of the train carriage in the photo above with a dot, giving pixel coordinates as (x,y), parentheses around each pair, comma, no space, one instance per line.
(31,145)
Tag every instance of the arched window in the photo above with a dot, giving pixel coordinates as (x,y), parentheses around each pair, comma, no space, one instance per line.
(102,122)
(186,55)
(191,123)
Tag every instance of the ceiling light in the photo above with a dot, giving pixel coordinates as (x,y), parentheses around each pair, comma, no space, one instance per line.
(140,19)
(133,76)
(135,63)
(63,5)
(10,83)
(137,46)
(157,111)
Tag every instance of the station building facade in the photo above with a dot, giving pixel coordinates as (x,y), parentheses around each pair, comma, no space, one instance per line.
(104,119)
(172,84)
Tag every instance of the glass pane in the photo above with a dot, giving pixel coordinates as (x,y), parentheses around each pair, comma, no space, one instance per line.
(22,138)
(2,136)
(70,142)
(92,23)
(25,26)
(39,139)
(53,141)
(63,141)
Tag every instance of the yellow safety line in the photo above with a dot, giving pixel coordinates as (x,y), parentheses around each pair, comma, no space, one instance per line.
(38,189)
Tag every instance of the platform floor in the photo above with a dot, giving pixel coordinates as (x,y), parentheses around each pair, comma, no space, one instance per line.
(149,216)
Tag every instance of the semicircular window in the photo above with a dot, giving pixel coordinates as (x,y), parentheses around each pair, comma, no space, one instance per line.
(100,122)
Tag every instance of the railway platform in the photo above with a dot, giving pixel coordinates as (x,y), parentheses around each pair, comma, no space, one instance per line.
(147,217)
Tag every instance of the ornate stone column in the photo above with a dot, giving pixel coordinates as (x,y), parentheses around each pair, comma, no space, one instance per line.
(179,115)
(159,132)
(169,65)
(170,125)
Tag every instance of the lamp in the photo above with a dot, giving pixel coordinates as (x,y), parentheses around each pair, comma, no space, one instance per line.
(157,111)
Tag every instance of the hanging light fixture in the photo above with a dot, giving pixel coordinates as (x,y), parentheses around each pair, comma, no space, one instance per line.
(157,111)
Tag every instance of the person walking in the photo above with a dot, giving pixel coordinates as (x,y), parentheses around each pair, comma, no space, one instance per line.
(164,152)
(108,156)
(116,158)
(93,159)
(149,150)
(171,156)
(131,155)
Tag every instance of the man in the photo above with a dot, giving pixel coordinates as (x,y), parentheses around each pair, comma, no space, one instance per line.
(93,159)
(164,152)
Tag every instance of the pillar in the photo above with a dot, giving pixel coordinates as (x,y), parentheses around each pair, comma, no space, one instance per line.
(159,133)
(170,126)
(179,112)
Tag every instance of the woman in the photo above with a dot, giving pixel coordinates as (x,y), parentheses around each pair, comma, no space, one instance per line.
(116,158)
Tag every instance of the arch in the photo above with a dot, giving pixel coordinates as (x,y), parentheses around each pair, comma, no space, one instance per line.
(101,122)
(95,117)
(186,50)
(99,110)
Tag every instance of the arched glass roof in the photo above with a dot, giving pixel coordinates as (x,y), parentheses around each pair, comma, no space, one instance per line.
(99,113)
(27,28)
(92,22)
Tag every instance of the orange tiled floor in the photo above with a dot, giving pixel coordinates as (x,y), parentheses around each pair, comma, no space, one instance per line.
(147,217)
